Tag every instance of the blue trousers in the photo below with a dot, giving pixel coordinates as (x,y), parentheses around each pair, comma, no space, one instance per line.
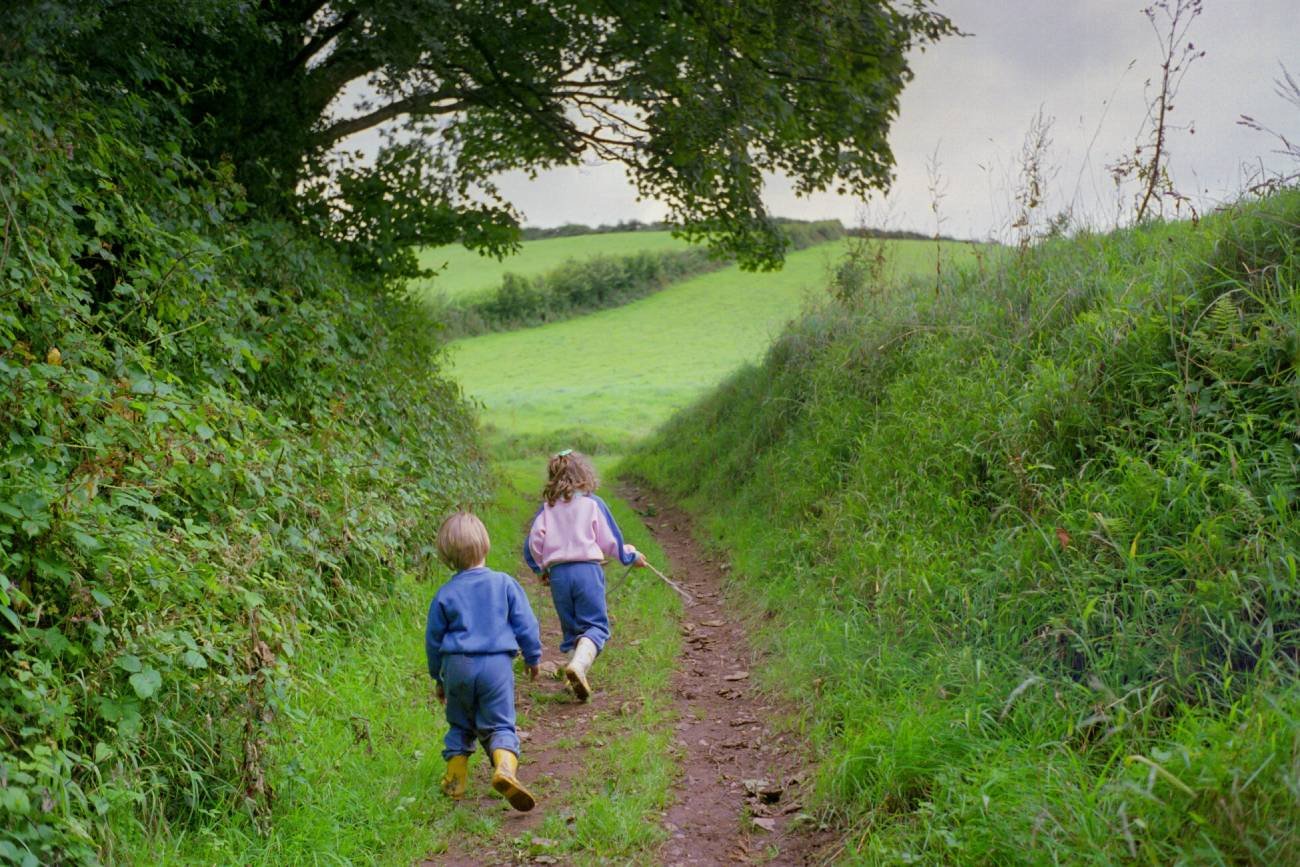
(480,703)
(578,591)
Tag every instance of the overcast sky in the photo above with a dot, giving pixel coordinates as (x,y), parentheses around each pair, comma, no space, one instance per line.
(1084,63)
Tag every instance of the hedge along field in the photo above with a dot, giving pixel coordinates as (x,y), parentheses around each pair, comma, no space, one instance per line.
(1029,547)
(463,274)
(581,286)
(219,447)
(601,381)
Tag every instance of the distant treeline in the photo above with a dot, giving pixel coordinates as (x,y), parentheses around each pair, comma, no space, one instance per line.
(582,286)
(569,230)
(898,235)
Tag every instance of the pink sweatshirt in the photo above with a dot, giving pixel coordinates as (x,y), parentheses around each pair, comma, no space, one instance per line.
(577,530)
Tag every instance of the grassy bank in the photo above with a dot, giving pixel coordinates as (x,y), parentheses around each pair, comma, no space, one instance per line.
(1028,544)
(218,438)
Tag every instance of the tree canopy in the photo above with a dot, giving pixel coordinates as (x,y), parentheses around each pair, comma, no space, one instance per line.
(696,98)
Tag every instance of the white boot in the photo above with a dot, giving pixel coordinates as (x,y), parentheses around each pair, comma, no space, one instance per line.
(584,654)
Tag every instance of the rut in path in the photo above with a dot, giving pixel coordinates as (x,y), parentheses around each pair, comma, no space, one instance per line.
(739,798)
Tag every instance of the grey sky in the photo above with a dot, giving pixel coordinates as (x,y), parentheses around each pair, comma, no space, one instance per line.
(1083,63)
(973,98)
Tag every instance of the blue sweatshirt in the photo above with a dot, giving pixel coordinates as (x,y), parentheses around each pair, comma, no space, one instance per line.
(480,611)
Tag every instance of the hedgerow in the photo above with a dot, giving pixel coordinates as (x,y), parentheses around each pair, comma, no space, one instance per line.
(1028,546)
(217,443)
(585,286)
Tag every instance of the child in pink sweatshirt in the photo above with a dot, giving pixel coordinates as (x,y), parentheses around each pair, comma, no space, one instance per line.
(572,533)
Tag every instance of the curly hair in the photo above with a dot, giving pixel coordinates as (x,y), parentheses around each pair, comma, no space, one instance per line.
(568,473)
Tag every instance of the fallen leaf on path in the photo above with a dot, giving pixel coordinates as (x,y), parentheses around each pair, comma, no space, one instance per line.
(714,623)
(766,824)
(737,675)
(542,843)
(743,721)
(546,859)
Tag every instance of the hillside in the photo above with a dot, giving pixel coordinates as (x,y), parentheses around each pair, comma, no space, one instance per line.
(1024,548)
(606,379)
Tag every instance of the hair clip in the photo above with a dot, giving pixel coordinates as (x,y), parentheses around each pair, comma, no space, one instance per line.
(564,453)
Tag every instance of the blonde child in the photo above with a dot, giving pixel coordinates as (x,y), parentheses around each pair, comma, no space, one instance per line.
(572,533)
(477,622)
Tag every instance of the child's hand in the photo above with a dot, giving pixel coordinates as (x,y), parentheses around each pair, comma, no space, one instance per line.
(545,578)
(440,693)
(532,671)
(640,560)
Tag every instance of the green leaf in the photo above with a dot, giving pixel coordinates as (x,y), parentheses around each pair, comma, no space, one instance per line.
(194,659)
(129,663)
(204,432)
(146,683)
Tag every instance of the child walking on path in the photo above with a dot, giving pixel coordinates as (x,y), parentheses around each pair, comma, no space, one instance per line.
(478,621)
(572,533)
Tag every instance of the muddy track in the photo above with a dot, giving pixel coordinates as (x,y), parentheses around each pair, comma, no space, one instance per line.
(740,796)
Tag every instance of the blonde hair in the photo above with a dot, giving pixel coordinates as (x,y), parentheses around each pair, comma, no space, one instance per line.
(463,541)
(568,473)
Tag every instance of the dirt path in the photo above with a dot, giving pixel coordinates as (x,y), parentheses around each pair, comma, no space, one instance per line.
(740,799)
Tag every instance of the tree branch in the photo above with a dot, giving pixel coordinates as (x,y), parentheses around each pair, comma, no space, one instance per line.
(321,39)
(415,104)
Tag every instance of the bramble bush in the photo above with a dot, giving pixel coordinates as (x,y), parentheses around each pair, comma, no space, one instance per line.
(1029,546)
(584,286)
(217,443)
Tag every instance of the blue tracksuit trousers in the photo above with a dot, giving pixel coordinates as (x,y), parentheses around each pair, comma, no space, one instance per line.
(578,591)
(480,691)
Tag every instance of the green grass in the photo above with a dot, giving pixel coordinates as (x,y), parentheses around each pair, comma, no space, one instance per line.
(356,764)
(1033,539)
(464,273)
(612,377)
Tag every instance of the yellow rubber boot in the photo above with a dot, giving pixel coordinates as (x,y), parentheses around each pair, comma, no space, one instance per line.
(584,654)
(456,779)
(504,781)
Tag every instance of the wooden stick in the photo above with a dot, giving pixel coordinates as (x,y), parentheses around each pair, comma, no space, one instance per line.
(690,600)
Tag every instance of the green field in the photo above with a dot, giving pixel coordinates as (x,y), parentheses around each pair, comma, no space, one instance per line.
(463,273)
(617,374)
